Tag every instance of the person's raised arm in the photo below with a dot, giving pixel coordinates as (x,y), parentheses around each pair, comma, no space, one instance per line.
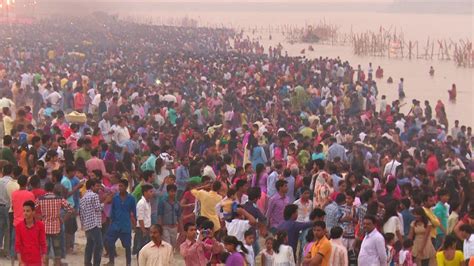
(248,216)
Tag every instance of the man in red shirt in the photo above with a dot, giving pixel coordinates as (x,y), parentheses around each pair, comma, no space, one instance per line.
(431,163)
(30,241)
(18,198)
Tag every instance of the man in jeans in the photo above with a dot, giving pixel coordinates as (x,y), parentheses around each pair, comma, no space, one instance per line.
(142,235)
(4,207)
(169,214)
(91,219)
(50,206)
(122,216)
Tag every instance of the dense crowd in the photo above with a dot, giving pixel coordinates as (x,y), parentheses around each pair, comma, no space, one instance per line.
(200,142)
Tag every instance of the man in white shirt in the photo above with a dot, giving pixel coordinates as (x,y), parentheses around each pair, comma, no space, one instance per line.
(372,251)
(143,218)
(156,252)
(159,118)
(105,127)
(208,171)
(305,206)
(54,98)
(338,250)
(120,132)
(391,166)
(468,246)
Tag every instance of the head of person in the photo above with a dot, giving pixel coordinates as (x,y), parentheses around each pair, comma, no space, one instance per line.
(171,189)
(369,223)
(156,232)
(319,229)
(28,209)
(389,238)
(123,185)
(428,200)
(420,215)
(336,232)
(7,140)
(87,144)
(350,197)
(340,199)
(368,196)
(231,244)
(70,171)
(249,236)
(281,186)
(185,161)
(317,214)
(207,228)
(147,191)
(217,186)
(254,194)
(269,242)
(407,244)
(146,176)
(449,243)
(290,212)
(96,185)
(22,181)
(7,169)
(281,238)
(465,231)
(443,195)
(241,186)
(305,193)
(191,231)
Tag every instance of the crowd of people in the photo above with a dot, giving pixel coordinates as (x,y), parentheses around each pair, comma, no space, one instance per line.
(196,142)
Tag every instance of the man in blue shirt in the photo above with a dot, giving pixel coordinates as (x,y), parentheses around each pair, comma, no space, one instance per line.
(291,226)
(272,178)
(121,215)
(182,176)
(441,210)
(72,185)
(291,184)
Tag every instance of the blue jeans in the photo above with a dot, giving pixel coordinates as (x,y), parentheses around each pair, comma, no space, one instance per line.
(54,246)
(125,238)
(93,246)
(4,228)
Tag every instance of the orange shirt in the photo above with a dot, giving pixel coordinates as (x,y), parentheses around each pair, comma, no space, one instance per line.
(322,247)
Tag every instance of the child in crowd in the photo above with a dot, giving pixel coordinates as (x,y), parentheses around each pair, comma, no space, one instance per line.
(389,242)
(249,237)
(267,254)
(405,257)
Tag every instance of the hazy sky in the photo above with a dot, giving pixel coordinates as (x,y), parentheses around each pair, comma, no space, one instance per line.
(256,1)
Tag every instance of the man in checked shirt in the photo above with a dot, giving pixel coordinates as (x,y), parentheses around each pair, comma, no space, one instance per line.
(49,206)
(91,218)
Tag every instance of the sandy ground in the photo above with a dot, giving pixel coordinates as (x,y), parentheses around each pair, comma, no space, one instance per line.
(77,259)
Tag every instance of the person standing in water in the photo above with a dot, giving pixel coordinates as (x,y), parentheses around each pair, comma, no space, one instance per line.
(401,92)
(452,93)
(432,71)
